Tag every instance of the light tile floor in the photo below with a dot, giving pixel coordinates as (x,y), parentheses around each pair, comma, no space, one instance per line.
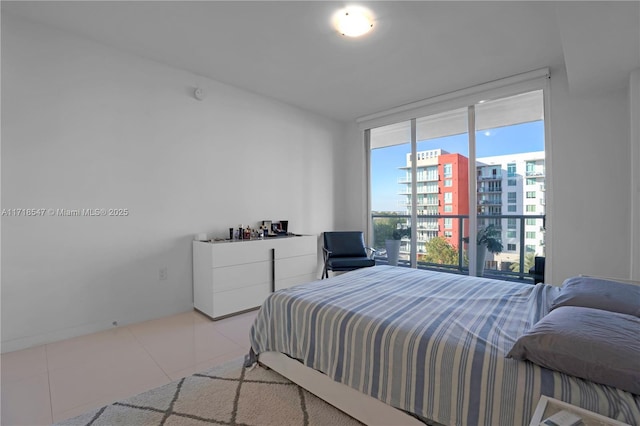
(59,380)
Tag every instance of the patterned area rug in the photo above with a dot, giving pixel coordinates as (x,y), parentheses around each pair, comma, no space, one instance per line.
(226,395)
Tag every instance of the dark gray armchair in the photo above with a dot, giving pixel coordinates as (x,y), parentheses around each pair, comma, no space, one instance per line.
(538,270)
(345,251)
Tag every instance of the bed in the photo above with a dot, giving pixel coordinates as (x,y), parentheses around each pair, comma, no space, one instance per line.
(431,345)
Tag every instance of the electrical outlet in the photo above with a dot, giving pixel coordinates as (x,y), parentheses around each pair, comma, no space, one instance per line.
(163,273)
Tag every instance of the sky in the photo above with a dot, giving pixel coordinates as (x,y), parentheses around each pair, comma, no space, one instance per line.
(514,139)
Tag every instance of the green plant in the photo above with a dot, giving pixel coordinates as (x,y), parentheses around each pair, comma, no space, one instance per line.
(489,237)
(384,227)
(440,251)
(529,262)
(400,232)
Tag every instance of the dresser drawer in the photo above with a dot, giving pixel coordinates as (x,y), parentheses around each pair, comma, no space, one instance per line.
(241,299)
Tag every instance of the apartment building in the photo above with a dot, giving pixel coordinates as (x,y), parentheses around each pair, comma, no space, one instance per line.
(507,185)
(441,181)
(513,185)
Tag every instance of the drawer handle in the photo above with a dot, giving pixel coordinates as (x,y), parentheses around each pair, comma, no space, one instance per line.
(273,270)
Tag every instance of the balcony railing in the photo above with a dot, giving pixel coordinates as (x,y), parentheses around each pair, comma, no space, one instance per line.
(407,180)
(461,266)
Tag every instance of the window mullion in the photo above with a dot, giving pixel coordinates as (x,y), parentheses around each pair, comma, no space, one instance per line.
(473,219)
(414,197)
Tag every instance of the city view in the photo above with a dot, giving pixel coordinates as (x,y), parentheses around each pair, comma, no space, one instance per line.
(508,182)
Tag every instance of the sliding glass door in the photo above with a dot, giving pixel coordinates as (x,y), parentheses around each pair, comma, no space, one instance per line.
(442,145)
(432,181)
(510,180)
(391,194)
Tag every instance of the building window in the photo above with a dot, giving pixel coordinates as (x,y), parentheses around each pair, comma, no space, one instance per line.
(448,234)
(511,223)
(511,169)
(448,197)
(427,173)
(529,248)
(531,167)
(448,170)
(512,197)
(531,194)
(448,182)
(448,222)
(531,181)
(432,173)
(512,208)
(531,208)
(448,208)
(531,222)
(530,235)
(511,234)
(511,247)
(512,182)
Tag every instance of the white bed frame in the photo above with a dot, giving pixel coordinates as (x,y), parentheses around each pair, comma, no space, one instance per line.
(364,408)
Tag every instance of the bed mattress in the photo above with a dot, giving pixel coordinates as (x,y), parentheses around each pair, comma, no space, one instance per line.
(429,343)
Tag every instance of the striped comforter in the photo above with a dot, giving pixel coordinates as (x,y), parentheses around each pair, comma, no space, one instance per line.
(429,343)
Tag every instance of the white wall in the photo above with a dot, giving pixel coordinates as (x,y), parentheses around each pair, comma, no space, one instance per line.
(634,162)
(591,182)
(86,126)
(589,209)
(351,183)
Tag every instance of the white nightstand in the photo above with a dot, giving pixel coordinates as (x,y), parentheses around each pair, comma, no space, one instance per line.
(548,406)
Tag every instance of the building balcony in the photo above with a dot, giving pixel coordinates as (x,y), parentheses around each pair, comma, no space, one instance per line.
(509,265)
(419,191)
(407,180)
(490,177)
(407,204)
(428,228)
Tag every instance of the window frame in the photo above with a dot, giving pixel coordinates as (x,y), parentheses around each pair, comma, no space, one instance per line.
(469,97)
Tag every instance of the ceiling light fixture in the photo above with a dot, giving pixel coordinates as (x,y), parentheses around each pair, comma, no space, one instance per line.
(353,21)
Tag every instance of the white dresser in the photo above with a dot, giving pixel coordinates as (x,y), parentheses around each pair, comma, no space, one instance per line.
(234,276)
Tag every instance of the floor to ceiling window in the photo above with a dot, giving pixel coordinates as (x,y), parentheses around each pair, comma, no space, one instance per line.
(432,181)
(391,201)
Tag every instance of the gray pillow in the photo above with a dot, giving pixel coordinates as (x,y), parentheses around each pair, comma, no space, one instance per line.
(592,344)
(598,293)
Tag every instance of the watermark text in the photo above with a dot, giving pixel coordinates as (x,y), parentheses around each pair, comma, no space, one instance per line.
(58,212)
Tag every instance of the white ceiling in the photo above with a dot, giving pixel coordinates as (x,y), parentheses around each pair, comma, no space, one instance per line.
(418,49)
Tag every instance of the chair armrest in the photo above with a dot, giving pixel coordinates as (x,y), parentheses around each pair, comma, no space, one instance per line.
(373,252)
(325,253)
